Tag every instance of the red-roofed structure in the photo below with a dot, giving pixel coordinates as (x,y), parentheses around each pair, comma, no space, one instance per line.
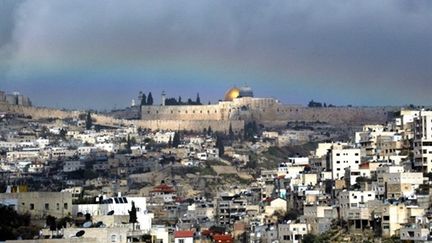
(223,239)
(364,165)
(183,234)
(163,188)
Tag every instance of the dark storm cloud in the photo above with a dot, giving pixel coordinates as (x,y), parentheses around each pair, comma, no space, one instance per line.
(379,48)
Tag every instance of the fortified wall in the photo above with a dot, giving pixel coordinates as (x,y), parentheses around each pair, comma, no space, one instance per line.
(188,125)
(268,112)
(37,112)
(221,116)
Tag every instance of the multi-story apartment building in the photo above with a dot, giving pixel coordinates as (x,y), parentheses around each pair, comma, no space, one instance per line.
(423,141)
(230,208)
(343,158)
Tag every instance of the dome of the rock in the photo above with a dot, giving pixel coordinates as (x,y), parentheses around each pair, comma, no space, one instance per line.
(231,94)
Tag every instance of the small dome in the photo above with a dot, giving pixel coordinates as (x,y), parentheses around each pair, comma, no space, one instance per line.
(246,91)
(231,94)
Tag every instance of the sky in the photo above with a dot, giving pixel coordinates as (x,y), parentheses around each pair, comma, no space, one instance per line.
(99,54)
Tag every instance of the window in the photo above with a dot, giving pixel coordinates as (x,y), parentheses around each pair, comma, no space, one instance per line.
(65,206)
(113,238)
(181,241)
(31,206)
(58,206)
(46,206)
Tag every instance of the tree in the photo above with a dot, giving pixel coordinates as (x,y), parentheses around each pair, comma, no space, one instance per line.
(63,133)
(176,140)
(179,100)
(51,223)
(89,122)
(170,142)
(220,146)
(133,215)
(231,132)
(143,99)
(309,238)
(129,144)
(14,225)
(198,100)
(190,102)
(150,99)
(250,130)
(312,103)
(209,131)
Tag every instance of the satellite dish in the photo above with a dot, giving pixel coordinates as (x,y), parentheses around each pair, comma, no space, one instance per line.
(87,224)
(110,212)
(98,224)
(80,233)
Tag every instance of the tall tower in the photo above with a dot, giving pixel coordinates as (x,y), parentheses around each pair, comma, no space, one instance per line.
(163,98)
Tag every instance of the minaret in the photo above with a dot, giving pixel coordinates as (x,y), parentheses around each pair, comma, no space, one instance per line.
(163,98)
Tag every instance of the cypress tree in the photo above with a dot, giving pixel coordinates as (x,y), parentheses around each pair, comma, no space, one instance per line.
(198,100)
(89,122)
(133,215)
(230,131)
(176,140)
(220,146)
(150,99)
(143,99)
(170,142)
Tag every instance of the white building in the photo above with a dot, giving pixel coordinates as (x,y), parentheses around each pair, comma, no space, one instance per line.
(340,159)
(72,165)
(119,206)
(292,232)
(423,141)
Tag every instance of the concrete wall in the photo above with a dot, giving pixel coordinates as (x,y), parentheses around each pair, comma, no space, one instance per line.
(41,204)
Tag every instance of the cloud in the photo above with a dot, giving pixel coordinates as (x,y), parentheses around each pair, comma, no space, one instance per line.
(359,47)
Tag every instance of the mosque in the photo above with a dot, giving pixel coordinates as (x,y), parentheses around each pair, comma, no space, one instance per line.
(239,106)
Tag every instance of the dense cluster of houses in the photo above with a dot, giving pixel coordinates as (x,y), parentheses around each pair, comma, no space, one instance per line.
(376,185)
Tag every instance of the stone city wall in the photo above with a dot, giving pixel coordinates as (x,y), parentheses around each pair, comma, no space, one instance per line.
(190,125)
(183,112)
(38,112)
(174,125)
(336,115)
(219,117)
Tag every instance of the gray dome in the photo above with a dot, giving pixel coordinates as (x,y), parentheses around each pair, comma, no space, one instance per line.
(246,91)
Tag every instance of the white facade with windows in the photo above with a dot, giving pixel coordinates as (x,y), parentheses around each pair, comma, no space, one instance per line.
(340,159)
(423,141)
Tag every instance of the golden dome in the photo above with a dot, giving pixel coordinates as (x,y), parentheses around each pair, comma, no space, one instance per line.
(231,94)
